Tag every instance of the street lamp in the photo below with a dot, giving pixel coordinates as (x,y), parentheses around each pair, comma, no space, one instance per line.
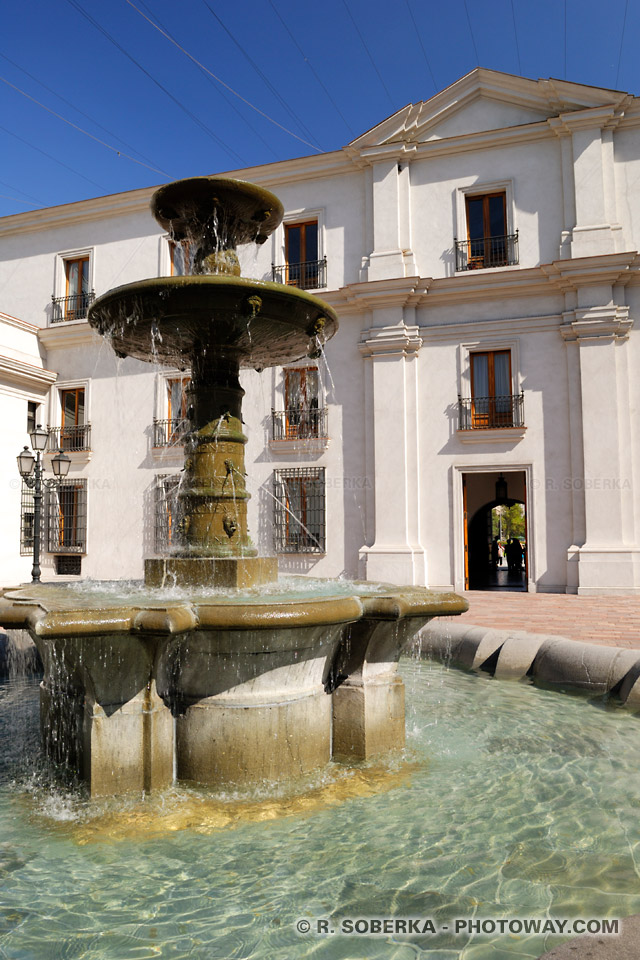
(31,469)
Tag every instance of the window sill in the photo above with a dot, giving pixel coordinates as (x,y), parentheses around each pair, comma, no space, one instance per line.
(481,270)
(492,435)
(317,554)
(300,445)
(76,456)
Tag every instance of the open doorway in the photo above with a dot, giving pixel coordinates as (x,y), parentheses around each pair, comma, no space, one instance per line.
(495,526)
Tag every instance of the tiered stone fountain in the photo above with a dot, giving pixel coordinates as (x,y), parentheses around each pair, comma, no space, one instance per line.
(212,688)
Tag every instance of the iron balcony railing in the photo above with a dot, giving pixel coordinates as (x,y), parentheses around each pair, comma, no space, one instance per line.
(487,252)
(491,413)
(307,423)
(70,438)
(169,433)
(308,275)
(71,308)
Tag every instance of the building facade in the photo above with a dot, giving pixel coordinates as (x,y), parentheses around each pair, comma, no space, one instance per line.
(480,249)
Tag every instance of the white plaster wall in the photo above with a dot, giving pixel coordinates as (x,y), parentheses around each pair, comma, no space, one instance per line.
(534,171)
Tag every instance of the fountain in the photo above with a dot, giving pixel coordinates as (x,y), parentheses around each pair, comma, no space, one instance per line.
(180,679)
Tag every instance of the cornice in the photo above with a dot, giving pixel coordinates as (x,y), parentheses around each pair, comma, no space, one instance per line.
(603,118)
(71,333)
(548,279)
(611,322)
(502,328)
(399,340)
(98,208)
(281,173)
(20,324)
(610,268)
(374,294)
(26,374)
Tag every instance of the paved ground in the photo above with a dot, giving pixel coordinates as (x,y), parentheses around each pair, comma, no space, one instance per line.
(608,620)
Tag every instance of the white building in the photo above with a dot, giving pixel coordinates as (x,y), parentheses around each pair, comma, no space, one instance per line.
(480,245)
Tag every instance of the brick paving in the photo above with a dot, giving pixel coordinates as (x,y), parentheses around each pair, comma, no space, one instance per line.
(613,621)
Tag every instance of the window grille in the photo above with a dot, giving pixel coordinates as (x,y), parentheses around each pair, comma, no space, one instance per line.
(27,516)
(67,516)
(69,565)
(300,510)
(166,511)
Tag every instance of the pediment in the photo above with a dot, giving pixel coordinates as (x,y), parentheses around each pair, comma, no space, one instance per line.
(485,100)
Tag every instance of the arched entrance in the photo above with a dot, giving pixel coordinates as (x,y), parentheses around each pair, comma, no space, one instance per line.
(496,547)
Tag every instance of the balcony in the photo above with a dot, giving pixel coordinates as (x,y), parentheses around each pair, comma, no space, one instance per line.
(169,433)
(308,275)
(487,252)
(300,424)
(70,439)
(504,413)
(71,308)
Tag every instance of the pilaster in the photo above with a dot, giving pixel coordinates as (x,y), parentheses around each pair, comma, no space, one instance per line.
(604,557)
(591,224)
(391,350)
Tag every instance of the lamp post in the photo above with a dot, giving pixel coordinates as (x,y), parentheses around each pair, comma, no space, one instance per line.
(31,470)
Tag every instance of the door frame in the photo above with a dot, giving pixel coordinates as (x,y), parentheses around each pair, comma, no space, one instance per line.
(460,519)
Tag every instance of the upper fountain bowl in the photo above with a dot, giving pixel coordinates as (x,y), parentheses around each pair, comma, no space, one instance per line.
(233,211)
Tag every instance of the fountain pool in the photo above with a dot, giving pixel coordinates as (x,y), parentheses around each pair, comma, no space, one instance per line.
(509,801)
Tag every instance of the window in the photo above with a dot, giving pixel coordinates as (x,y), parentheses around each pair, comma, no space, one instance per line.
(72,425)
(69,565)
(73,294)
(301,403)
(27,517)
(488,243)
(300,510)
(166,507)
(491,399)
(173,430)
(32,414)
(302,267)
(67,516)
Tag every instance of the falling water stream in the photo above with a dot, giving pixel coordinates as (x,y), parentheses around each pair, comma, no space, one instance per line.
(509,801)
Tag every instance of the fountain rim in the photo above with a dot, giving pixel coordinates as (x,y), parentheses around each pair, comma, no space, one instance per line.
(231,613)
(214,280)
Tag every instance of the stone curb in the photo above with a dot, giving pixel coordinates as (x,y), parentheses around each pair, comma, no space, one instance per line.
(547,658)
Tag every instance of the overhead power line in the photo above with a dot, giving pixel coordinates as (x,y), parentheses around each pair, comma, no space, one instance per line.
(224,96)
(73,106)
(515,35)
(225,85)
(311,67)
(368,52)
(203,126)
(262,76)
(85,132)
(624,24)
(473,39)
(55,160)
(419,38)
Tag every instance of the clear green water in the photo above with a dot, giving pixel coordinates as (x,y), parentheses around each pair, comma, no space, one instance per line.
(512,802)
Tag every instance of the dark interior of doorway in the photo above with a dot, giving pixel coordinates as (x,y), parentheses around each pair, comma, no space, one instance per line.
(483,573)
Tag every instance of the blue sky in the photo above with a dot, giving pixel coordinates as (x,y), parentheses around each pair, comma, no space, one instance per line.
(316,76)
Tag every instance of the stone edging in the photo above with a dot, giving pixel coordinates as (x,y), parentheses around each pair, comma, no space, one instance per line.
(545,658)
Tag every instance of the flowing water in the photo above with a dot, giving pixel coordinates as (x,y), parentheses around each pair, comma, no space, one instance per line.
(510,801)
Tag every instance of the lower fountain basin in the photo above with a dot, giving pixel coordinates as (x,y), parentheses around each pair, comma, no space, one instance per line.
(233,687)
(167,318)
